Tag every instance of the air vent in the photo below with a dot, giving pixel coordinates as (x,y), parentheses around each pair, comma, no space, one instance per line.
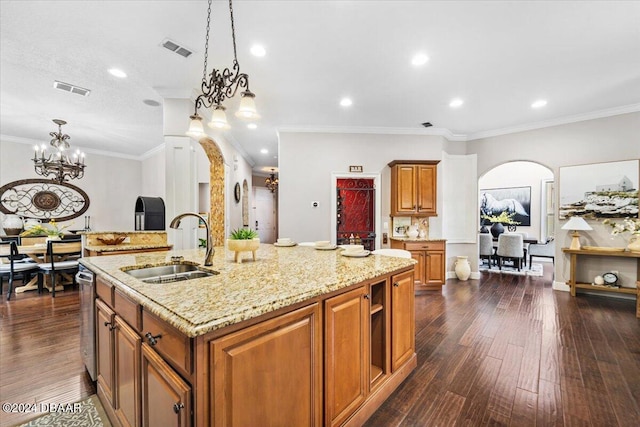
(67,87)
(176,48)
(426,124)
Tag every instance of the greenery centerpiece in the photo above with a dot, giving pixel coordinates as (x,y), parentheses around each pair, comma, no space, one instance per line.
(51,230)
(499,220)
(243,240)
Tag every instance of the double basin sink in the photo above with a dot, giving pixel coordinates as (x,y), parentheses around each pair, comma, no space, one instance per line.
(169,273)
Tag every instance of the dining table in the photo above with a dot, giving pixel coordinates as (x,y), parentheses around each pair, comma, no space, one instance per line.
(38,253)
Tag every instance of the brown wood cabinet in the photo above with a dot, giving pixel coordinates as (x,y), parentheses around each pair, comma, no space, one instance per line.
(403,335)
(414,187)
(270,373)
(430,272)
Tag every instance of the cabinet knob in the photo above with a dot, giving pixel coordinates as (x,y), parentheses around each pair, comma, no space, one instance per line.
(366,296)
(177,407)
(153,340)
(109,325)
(396,284)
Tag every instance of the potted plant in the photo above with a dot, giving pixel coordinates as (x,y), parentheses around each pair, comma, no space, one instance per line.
(243,240)
(52,231)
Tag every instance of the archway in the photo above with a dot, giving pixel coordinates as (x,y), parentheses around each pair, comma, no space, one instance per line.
(216,189)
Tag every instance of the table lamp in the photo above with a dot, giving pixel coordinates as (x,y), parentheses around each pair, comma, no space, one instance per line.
(576,223)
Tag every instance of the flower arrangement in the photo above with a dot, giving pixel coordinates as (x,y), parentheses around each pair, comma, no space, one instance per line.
(628,225)
(503,218)
(51,230)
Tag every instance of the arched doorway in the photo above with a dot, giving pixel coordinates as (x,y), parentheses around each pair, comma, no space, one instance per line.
(216,189)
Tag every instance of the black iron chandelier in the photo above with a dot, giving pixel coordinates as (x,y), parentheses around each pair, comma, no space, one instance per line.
(271,182)
(59,165)
(219,86)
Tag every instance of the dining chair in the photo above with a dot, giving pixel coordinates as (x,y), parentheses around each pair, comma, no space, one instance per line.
(543,250)
(12,264)
(62,257)
(401,253)
(510,247)
(485,247)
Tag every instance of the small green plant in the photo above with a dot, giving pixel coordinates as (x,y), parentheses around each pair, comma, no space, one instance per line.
(243,234)
(503,218)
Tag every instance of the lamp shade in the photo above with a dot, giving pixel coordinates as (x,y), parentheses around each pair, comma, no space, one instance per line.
(576,223)
(196,131)
(218,118)
(247,109)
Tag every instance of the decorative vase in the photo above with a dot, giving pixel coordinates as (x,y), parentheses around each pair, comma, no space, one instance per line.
(497,229)
(413,232)
(12,225)
(462,269)
(634,244)
(239,246)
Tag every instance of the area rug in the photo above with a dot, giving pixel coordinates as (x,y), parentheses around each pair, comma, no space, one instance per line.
(535,270)
(86,413)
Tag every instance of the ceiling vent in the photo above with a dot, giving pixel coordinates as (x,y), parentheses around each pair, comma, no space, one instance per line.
(67,87)
(426,124)
(176,48)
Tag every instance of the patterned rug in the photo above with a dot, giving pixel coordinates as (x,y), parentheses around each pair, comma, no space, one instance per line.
(86,413)
(535,270)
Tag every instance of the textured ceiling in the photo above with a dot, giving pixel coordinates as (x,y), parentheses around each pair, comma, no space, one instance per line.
(583,57)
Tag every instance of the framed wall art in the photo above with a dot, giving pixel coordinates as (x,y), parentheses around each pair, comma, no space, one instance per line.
(600,190)
(514,201)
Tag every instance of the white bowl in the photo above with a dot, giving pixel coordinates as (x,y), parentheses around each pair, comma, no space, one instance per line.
(284,241)
(353,248)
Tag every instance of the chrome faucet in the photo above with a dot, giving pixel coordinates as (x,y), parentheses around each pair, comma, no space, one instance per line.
(175,223)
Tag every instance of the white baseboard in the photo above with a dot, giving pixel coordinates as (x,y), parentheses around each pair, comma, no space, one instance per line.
(560,286)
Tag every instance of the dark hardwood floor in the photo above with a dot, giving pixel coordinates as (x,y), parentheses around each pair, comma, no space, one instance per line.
(503,350)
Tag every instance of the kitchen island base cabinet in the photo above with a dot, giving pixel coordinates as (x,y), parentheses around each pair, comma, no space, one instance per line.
(270,373)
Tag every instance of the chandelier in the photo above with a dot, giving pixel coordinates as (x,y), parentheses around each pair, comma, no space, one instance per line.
(271,182)
(58,164)
(219,86)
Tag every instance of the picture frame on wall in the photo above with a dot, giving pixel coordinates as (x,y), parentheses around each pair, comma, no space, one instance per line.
(513,200)
(599,190)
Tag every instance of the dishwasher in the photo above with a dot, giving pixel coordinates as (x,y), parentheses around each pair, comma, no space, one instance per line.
(86,281)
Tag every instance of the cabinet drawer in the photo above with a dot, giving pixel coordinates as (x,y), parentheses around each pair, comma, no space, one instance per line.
(167,341)
(104,290)
(424,246)
(128,310)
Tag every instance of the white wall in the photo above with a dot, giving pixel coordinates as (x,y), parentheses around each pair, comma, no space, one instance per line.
(307,160)
(112,184)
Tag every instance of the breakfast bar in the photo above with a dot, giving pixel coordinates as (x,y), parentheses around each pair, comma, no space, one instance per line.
(298,337)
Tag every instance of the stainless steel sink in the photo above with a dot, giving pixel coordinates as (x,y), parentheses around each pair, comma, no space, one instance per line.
(169,273)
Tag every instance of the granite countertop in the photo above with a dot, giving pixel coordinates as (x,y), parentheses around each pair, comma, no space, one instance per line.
(280,276)
(417,239)
(126,247)
(88,233)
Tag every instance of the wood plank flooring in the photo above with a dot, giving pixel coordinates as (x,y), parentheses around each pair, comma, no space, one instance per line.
(503,350)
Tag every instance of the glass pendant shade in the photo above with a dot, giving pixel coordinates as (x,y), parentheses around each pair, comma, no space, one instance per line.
(247,109)
(218,118)
(196,131)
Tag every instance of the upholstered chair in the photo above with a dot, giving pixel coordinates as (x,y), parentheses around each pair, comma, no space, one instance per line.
(546,250)
(485,247)
(510,246)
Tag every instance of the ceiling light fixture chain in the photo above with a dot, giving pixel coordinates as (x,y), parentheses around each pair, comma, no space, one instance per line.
(220,85)
(59,164)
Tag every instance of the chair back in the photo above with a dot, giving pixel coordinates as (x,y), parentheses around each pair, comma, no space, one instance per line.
(9,252)
(401,253)
(62,247)
(486,244)
(510,245)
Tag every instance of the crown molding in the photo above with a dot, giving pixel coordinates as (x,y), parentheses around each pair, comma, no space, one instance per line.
(446,133)
(625,109)
(152,152)
(32,142)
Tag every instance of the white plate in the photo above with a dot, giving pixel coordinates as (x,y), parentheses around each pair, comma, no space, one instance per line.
(326,248)
(284,245)
(355,254)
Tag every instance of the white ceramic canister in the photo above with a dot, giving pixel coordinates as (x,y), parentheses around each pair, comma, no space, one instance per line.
(412,232)
(463,268)
(12,225)
(31,222)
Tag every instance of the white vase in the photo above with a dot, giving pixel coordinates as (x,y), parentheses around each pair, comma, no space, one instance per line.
(12,225)
(634,244)
(463,269)
(413,232)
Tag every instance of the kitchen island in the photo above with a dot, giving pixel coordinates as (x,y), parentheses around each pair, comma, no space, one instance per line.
(298,337)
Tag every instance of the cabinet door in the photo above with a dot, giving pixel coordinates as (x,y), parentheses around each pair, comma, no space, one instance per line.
(404,199)
(127,374)
(270,373)
(346,354)
(426,189)
(434,272)
(419,268)
(104,351)
(403,339)
(166,398)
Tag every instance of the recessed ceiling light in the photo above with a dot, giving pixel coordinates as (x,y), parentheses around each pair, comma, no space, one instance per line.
(419,59)
(258,50)
(539,103)
(117,73)
(252,126)
(264,151)
(456,103)
(346,102)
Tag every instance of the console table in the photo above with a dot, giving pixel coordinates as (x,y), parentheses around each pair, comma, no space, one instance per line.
(573,284)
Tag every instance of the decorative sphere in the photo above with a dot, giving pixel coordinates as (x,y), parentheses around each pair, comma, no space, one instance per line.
(598,280)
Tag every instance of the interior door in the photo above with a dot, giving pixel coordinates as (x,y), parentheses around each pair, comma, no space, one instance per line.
(355,211)
(264,208)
